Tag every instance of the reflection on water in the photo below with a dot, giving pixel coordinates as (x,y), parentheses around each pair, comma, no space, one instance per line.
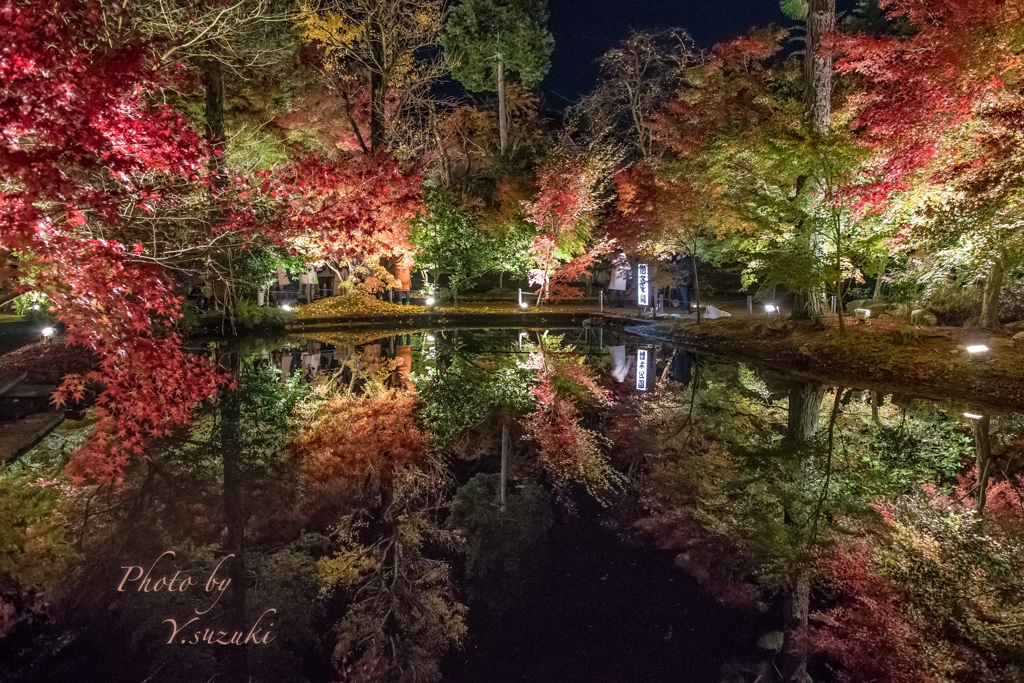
(542,505)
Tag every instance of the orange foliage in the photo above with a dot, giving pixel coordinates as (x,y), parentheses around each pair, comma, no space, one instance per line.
(361,437)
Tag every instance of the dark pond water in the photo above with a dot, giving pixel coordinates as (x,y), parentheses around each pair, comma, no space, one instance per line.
(341,516)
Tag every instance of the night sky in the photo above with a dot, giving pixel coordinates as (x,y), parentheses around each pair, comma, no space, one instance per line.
(585,29)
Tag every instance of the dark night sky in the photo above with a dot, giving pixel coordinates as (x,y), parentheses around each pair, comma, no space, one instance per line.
(585,29)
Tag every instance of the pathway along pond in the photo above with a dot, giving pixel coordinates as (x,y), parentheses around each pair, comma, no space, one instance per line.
(499,505)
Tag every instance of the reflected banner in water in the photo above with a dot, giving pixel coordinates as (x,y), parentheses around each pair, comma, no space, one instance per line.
(641,369)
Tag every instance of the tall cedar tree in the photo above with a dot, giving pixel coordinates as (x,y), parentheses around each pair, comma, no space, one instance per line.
(486,38)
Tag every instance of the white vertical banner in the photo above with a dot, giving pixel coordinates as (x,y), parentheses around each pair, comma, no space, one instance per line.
(641,369)
(643,289)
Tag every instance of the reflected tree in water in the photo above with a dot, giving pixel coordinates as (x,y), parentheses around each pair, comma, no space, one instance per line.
(400,610)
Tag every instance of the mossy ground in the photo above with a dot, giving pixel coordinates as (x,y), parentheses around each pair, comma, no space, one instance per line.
(935,364)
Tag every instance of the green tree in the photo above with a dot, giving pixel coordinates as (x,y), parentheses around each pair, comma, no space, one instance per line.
(504,543)
(484,38)
(449,242)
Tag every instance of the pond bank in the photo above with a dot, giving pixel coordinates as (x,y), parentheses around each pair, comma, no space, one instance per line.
(934,365)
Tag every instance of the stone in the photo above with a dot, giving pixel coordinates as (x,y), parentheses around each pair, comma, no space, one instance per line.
(759,330)
(876,309)
(876,306)
(772,640)
(1000,344)
(1018,338)
(852,306)
(923,317)
(804,351)
(1017,326)
(781,328)
(906,334)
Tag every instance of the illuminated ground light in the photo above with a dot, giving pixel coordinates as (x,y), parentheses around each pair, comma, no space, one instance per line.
(972,416)
(430,337)
(48,331)
(524,305)
(770,308)
(977,348)
(286,308)
(862,313)
(430,301)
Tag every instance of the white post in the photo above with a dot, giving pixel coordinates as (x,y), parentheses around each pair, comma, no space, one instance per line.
(520,297)
(600,298)
(750,304)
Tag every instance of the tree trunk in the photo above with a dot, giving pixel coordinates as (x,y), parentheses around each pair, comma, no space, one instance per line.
(378,90)
(993,290)
(806,305)
(804,410)
(215,131)
(983,452)
(237,663)
(875,402)
(878,278)
(840,309)
(696,286)
(821,20)
(506,446)
(502,115)
(796,606)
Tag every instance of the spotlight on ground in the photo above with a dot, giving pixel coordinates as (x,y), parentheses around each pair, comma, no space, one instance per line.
(48,331)
(524,305)
(972,416)
(286,308)
(770,308)
(862,313)
(977,348)
(430,337)
(430,301)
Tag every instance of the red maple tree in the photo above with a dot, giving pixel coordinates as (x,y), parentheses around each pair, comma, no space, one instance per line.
(78,141)
(561,211)
(957,65)
(337,209)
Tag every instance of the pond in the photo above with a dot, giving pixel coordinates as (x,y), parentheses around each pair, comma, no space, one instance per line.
(519,505)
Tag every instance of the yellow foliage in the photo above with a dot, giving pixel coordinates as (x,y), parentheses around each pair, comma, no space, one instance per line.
(332,31)
(345,568)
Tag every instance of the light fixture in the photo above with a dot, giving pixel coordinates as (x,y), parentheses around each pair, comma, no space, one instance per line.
(430,337)
(48,331)
(770,308)
(524,305)
(430,301)
(977,348)
(286,308)
(972,416)
(862,313)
